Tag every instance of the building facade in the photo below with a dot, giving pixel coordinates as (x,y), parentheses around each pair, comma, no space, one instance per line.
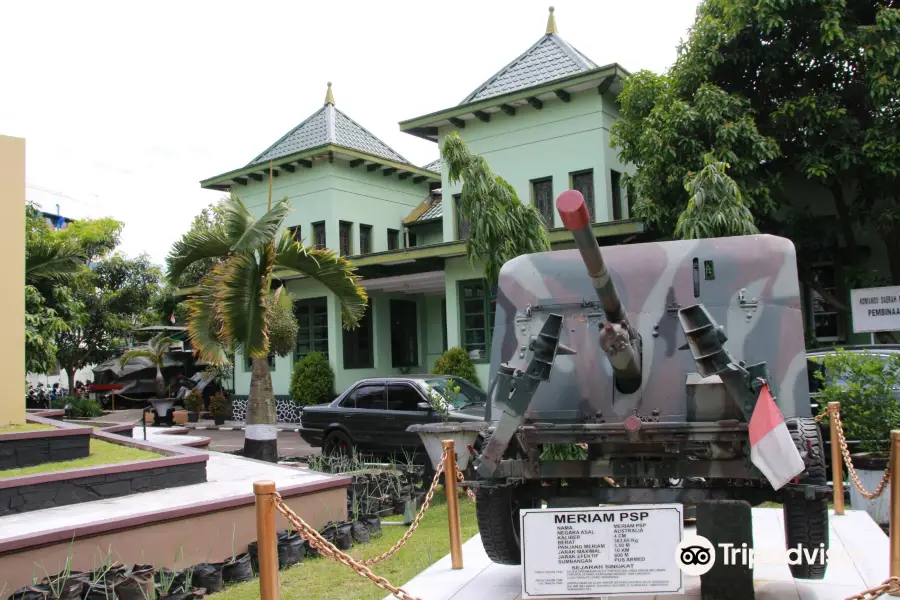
(541,122)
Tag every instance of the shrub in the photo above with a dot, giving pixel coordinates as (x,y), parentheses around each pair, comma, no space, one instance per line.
(83,408)
(194,401)
(865,385)
(312,381)
(456,362)
(219,405)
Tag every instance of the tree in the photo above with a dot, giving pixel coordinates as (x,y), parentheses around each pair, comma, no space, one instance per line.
(778,90)
(234,303)
(107,301)
(715,206)
(501,227)
(156,353)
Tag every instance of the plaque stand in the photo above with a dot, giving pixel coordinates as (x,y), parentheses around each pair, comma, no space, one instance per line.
(726,522)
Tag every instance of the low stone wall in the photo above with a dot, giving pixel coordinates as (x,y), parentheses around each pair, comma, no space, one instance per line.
(61,492)
(29,448)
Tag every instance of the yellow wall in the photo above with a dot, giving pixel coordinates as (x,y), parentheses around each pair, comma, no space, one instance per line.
(12,274)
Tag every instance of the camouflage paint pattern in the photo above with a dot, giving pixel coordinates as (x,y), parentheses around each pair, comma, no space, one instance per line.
(748,284)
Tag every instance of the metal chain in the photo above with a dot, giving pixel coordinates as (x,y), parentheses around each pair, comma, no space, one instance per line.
(328,549)
(461,478)
(402,541)
(845,452)
(891,586)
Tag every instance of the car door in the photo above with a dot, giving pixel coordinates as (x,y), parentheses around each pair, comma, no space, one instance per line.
(403,410)
(363,410)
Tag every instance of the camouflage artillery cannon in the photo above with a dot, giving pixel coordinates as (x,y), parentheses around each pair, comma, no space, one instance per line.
(628,360)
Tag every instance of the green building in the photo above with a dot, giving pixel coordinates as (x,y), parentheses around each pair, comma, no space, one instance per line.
(542,122)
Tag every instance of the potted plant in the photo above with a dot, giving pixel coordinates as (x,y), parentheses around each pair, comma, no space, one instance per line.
(868,387)
(219,408)
(194,404)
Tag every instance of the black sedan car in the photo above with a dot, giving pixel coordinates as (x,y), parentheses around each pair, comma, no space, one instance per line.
(371,417)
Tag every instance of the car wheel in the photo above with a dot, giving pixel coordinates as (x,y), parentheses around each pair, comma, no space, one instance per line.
(337,443)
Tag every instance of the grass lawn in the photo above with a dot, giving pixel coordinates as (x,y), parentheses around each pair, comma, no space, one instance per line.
(24,427)
(321,578)
(102,453)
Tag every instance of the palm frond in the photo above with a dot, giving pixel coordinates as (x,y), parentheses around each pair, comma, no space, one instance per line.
(262,231)
(206,328)
(328,268)
(47,259)
(193,246)
(132,354)
(243,305)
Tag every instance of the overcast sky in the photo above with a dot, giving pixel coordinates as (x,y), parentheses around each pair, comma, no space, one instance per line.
(125,107)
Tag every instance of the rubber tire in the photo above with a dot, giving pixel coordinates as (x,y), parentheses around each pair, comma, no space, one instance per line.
(337,442)
(806,521)
(497,512)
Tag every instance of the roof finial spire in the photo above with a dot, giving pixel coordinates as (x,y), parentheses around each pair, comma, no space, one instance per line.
(329,97)
(551,23)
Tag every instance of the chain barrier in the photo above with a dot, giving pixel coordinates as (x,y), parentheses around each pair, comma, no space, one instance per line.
(845,452)
(461,478)
(891,586)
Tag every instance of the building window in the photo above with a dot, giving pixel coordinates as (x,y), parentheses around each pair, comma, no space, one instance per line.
(344,237)
(312,331)
(615,179)
(583,181)
(248,363)
(462,225)
(477,309)
(319,235)
(404,334)
(393,239)
(358,343)
(825,319)
(365,239)
(542,198)
(294,232)
(411,239)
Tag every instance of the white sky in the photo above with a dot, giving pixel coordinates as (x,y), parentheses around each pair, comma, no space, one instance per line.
(126,107)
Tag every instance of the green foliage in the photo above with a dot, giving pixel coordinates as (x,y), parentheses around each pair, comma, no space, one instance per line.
(715,207)
(456,362)
(210,219)
(220,405)
(194,401)
(564,452)
(501,227)
(441,402)
(312,381)
(866,386)
(79,408)
(778,91)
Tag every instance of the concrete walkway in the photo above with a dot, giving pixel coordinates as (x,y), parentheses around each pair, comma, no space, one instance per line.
(859,551)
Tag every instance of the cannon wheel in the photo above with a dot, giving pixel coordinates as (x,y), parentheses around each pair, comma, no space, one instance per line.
(806,521)
(497,512)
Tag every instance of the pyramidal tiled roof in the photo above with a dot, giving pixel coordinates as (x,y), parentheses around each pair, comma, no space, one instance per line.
(550,58)
(328,125)
(434,166)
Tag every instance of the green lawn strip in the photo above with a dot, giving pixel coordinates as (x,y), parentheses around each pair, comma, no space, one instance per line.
(102,453)
(325,579)
(24,427)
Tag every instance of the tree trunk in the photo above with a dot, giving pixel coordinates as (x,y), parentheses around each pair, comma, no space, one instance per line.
(70,375)
(891,239)
(160,384)
(260,432)
(846,223)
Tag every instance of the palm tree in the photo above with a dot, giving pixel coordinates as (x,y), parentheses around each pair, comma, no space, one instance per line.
(156,354)
(501,227)
(234,304)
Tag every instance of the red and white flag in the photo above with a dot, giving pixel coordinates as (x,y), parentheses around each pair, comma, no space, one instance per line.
(771,448)
(172,318)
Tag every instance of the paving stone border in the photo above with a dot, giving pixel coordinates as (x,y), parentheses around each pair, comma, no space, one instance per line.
(30,448)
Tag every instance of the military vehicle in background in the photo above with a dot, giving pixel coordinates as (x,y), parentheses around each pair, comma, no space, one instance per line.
(653,357)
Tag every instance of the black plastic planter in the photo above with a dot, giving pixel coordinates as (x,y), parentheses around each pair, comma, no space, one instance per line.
(360,533)
(253,551)
(169,583)
(31,592)
(135,584)
(290,549)
(237,570)
(193,417)
(339,534)
(372,523)
(208,576)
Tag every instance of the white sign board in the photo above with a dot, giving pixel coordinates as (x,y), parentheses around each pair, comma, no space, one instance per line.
(616,550)
(875,309)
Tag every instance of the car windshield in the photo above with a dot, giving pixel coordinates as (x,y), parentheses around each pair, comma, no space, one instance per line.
(468,394)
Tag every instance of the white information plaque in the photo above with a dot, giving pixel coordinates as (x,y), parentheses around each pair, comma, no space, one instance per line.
(605,551)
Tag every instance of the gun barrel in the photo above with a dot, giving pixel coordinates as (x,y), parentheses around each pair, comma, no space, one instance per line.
(575,217)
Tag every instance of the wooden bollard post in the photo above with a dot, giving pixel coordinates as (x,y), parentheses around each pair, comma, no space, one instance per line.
(895,503)
(452,504)
(265,538)
(837,467)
